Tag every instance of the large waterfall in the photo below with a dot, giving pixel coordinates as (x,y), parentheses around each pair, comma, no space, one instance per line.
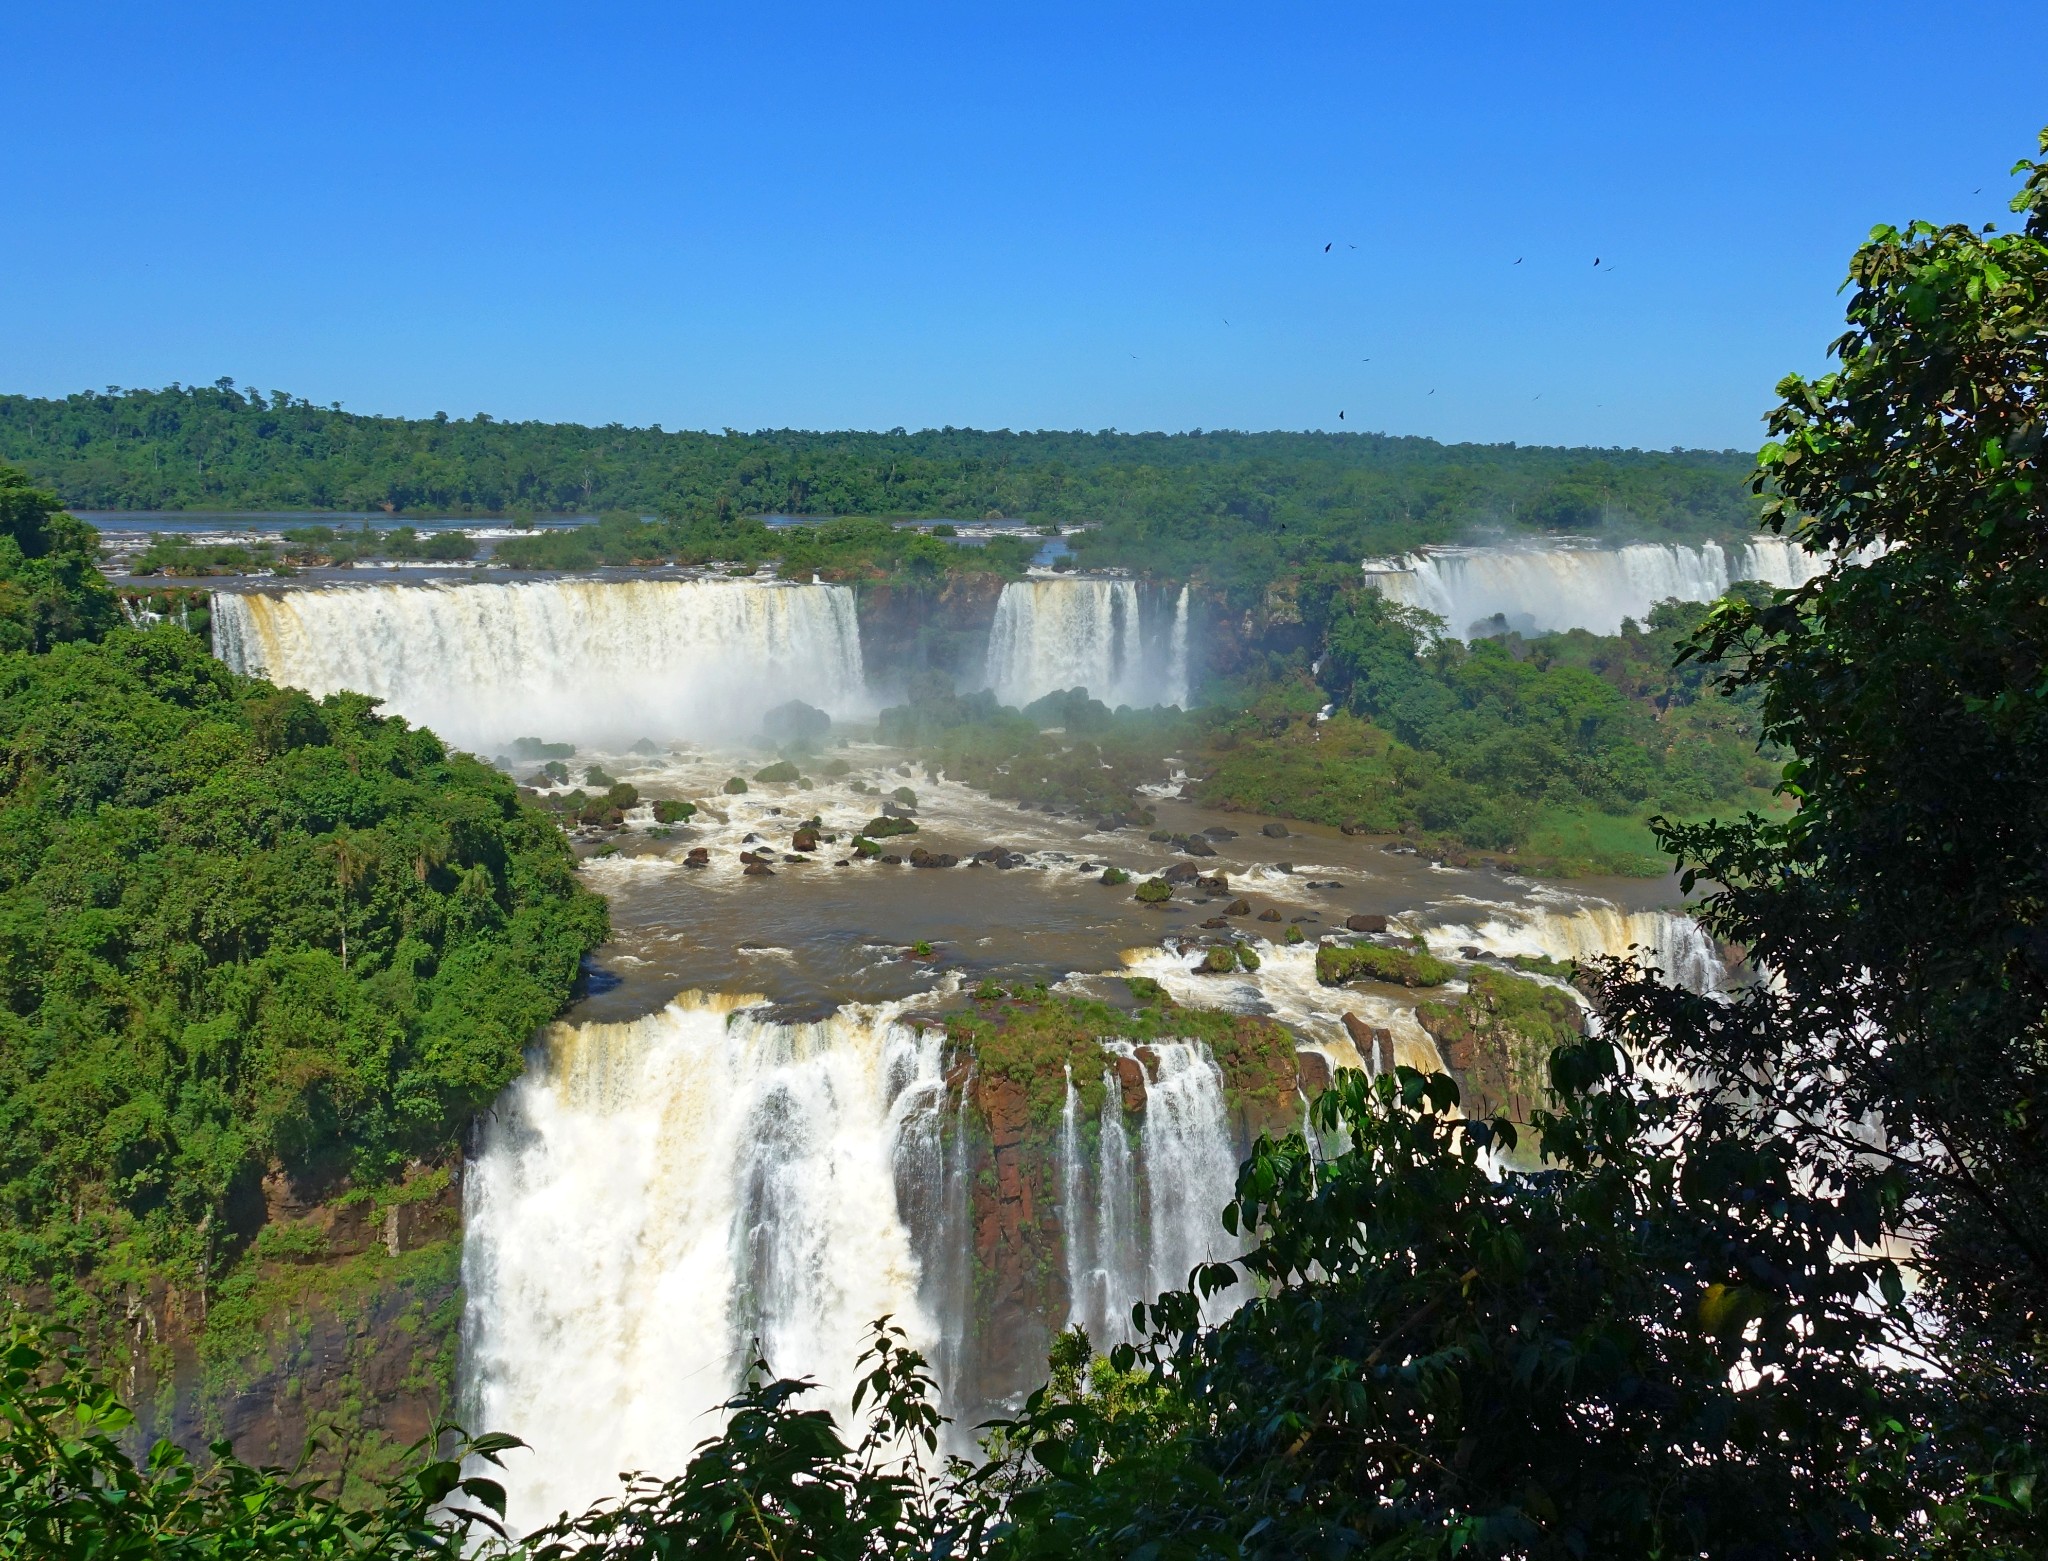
(1092,634)
(584,660)
(655,1198)
(1540,587)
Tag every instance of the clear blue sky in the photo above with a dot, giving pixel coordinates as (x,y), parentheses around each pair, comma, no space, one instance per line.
(1024,216)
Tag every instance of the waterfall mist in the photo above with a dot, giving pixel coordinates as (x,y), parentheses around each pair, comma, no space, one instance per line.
(1537,588)
(1092,634)
(590,661)
(654,1197)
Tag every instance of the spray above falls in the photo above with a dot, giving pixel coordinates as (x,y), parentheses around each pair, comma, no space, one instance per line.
(1537,588)
(1124,645)
(590,661)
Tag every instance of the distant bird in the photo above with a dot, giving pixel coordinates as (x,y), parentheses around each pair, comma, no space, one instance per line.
(1537,397)
(1340,417)
(1596,260)
(1226,322)
(1365,360)
(1978,191)
(1354,246)
(1329,246)
(1518,260)
(1432,392)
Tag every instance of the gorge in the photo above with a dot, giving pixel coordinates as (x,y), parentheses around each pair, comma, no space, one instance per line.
(805,1089)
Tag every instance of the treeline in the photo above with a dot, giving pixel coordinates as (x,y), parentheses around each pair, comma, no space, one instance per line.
(1166,502)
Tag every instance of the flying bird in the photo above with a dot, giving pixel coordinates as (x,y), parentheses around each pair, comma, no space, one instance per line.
(1340,417)
(1596,260)
(1329,246)
(1518,260)
(1432,392)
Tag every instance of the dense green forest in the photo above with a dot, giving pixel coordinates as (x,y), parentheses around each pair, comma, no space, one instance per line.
(238,929)
(1236,505)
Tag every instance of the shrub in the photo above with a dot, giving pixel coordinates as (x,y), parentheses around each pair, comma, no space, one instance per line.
(671,810)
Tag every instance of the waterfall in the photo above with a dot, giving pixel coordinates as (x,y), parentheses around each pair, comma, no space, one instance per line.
(588,661)
(1156,1205)
(653,1197)
(1540,587)
(1054,634)
(1570,928)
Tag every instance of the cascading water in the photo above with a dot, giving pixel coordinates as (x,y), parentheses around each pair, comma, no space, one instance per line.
(1537,588)
(1155,1200)
(653,1198)
(1566,928)
(590,661)
(1092,634)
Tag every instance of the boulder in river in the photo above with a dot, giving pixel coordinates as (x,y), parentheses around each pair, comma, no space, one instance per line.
(1218,832)
(1238,908)
(758,870)
(1365,923)
(1180,872)
(1215,883)
(1195,845)
(1270,915)
(698,857)
(1273,831)
(1220,960)
(805,839)
(1375,1045)
(1312,1073)
(1215,922)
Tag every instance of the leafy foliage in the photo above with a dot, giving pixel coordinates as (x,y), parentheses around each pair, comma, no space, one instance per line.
(238,929)
(50,591)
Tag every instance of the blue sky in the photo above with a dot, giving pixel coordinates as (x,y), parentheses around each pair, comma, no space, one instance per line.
(1019,216)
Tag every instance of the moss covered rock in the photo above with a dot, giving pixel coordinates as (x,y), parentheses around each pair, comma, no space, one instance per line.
(1367,961)
(1497,1039)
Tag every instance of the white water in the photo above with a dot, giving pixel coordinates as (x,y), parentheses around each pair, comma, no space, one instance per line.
(1055,634)
(1179,1170)
(653,1196)
(1568,928)
(1539,587)
(585,661)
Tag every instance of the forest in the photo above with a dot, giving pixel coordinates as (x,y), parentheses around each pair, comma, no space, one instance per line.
(1234,506)
(1775,1285)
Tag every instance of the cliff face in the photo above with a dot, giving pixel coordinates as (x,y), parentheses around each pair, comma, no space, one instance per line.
(1497,1040)
(338,1327)
(941,627)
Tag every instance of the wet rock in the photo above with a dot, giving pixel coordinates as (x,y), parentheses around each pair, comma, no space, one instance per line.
(805,839)
(1160,837)
(751,840)
(892,860)
(1218,832)
(894,809)
(1238,908)
(791,856)
(992,854)
(1273,831)
(1215,921)
(844,861)
(698,857)
(1311,1072)
(1365,923)
(758,870)
(1375,1044)
(1219,960)
(923,858)
(1195,845)
(1013,859)
(1180,872)
(1215,883)
(1113,876)
(1471,951)
(1130,1078)
(1105,825)
(1270,915)
(750,857)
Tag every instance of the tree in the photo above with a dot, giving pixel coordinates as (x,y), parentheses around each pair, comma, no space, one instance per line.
(50,586)
(1903,909)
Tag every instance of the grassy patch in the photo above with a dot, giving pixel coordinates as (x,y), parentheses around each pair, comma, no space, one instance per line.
(1368,961)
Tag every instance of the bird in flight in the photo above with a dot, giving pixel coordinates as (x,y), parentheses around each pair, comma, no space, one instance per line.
(1518,260)
(1340,417)
(1329,246)
(1537,397)
(1596,260)
(1432,392)
(1226,322)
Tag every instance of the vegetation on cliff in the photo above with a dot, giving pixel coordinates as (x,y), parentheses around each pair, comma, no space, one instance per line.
(1036,1039)
(239,930)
